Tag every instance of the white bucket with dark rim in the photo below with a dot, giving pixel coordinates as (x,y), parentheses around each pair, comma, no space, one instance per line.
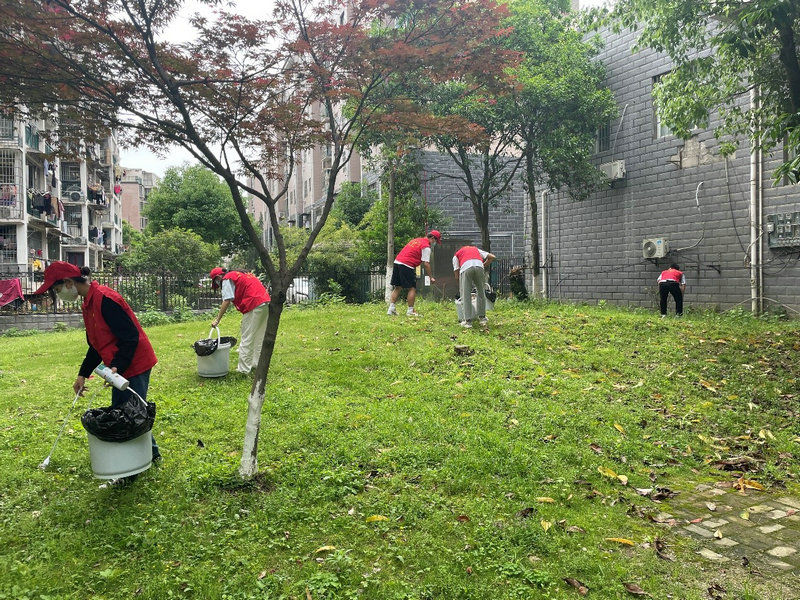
(111,460)
(216,364)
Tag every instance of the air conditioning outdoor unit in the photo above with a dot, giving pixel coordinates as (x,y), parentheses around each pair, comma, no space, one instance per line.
(614,170)
(75,196)
(655,248)
(5,212)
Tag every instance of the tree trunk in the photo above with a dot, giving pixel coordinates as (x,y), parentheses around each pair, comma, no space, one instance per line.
(390,235)
(249,464)
(535,256)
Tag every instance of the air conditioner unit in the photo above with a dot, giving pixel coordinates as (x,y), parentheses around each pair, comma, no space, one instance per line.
(613,170)
(655,248)
(5,212)
(75,196)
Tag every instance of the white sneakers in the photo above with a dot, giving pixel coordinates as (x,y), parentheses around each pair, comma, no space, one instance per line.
(392,311)
(466,324)
(412,313)
(483,321)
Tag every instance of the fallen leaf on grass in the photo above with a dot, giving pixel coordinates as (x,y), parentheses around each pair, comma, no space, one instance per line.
(324,549)
(745,515)
(582,589)
(575,529)
(661,550)
(596,449)
(623,541)
(718,534)
(525,512)
(716,592)
(743,484)
(462,518)
(374,518)
(619,428)
(607,472)
(635,589)
(546,524)
(711,506)
(545,500)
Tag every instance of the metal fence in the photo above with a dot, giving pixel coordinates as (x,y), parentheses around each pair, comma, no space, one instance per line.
(170,291)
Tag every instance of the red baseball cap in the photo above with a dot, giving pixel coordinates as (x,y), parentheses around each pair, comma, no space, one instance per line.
(56,271)
(435,233)
(215,272)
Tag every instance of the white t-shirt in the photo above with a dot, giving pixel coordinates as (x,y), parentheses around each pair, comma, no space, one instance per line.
(228,289)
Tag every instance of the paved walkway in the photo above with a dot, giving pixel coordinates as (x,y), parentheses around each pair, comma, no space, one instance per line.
(760,530)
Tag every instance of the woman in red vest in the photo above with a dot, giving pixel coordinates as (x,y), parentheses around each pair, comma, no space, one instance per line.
(114,334)
(250,298)
(672,281)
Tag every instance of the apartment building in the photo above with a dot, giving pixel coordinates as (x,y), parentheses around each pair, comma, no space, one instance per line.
(53,208)
(136,187)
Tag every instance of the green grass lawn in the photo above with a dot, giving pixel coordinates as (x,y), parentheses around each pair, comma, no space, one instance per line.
(393,466)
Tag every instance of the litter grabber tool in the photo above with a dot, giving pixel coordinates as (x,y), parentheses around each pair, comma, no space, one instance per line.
(43,465)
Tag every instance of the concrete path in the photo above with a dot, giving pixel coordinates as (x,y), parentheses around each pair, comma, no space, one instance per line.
(757,529)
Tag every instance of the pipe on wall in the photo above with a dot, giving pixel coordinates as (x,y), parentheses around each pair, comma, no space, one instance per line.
(543,253)
(754,241)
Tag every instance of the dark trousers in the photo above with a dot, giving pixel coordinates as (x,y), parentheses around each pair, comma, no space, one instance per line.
(665,288)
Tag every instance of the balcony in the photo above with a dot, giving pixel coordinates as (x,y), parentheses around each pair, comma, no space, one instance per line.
(10,211)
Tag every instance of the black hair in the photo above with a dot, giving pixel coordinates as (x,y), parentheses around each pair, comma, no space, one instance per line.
(675,266)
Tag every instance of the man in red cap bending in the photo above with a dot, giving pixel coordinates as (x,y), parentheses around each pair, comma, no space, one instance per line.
(250,298)
(404,276)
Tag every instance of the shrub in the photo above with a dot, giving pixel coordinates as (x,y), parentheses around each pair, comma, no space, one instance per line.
(149,318)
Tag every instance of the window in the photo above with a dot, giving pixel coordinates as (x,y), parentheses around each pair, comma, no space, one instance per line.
(603,138)
(660,130)
(6,129)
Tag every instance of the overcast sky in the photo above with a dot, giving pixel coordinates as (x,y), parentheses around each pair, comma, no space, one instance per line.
(180,30)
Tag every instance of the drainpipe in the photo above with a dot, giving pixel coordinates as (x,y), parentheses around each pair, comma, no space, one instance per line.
(760,225)
(543,253)
(753,252)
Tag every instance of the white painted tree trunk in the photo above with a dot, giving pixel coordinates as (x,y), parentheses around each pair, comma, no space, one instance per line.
(249,465)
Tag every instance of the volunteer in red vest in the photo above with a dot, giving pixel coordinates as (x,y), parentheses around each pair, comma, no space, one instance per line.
(114,334)
(250,298)
(404,275)
(672,281)
(469,263)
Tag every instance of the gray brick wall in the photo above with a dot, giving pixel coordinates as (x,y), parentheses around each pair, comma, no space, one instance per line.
(595,246)
(444,193)
(39,321)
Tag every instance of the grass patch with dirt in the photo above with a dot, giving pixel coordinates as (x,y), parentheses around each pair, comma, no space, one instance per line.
(407,458)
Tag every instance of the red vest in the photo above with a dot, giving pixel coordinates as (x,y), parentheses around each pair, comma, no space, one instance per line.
(468,253)
(248,291)
(104,341)
(411,254)
(672,275)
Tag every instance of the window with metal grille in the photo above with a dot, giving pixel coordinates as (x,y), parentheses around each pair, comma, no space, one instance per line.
(6,129)
(603,139)
(8,243)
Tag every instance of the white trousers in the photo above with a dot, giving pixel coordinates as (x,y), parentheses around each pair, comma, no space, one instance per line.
(474,276)
(254,324)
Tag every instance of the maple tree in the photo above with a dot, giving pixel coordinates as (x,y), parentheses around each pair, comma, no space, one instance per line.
(240,96)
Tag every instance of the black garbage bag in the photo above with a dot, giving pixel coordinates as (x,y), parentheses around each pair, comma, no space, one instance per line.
(491,295)
(125,422)
(208,346)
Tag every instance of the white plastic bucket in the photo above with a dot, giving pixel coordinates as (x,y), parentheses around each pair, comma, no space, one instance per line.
(120,459)
(216,364)
(460,307)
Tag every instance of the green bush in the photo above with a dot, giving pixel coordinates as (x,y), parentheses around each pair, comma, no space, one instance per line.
(149,318)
